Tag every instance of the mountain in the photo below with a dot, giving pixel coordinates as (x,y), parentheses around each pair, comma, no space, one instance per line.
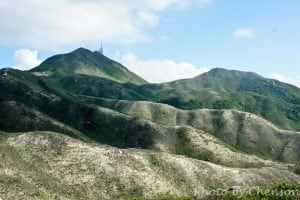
(229,89)
(84,61)
(66,134)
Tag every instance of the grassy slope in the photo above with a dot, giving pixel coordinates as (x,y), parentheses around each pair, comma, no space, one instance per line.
(47,165)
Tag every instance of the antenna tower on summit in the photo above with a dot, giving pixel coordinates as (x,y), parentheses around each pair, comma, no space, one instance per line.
(101,49)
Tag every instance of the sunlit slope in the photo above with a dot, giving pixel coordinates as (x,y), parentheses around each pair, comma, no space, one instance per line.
(47,165)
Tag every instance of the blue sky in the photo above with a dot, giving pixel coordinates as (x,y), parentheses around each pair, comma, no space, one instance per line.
(161,40)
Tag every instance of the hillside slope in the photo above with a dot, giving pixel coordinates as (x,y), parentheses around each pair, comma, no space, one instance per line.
(47,165)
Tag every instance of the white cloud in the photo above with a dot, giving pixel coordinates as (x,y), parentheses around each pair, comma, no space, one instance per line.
(26,59)
(158,71)
(244,33)
(292,80)
(53,23)
(148,18)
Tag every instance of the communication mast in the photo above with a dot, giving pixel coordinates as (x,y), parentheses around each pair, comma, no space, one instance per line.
(101,49)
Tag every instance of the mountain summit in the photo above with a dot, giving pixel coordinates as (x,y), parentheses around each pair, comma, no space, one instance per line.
(86,62)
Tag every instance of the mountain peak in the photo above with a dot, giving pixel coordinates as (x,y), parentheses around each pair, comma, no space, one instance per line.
(222,72)
(220,79)
(82,50)
(86,62)
(217,71)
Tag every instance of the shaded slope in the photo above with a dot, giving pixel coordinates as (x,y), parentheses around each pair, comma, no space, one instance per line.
(84,61)
(17,117)
(96,123)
